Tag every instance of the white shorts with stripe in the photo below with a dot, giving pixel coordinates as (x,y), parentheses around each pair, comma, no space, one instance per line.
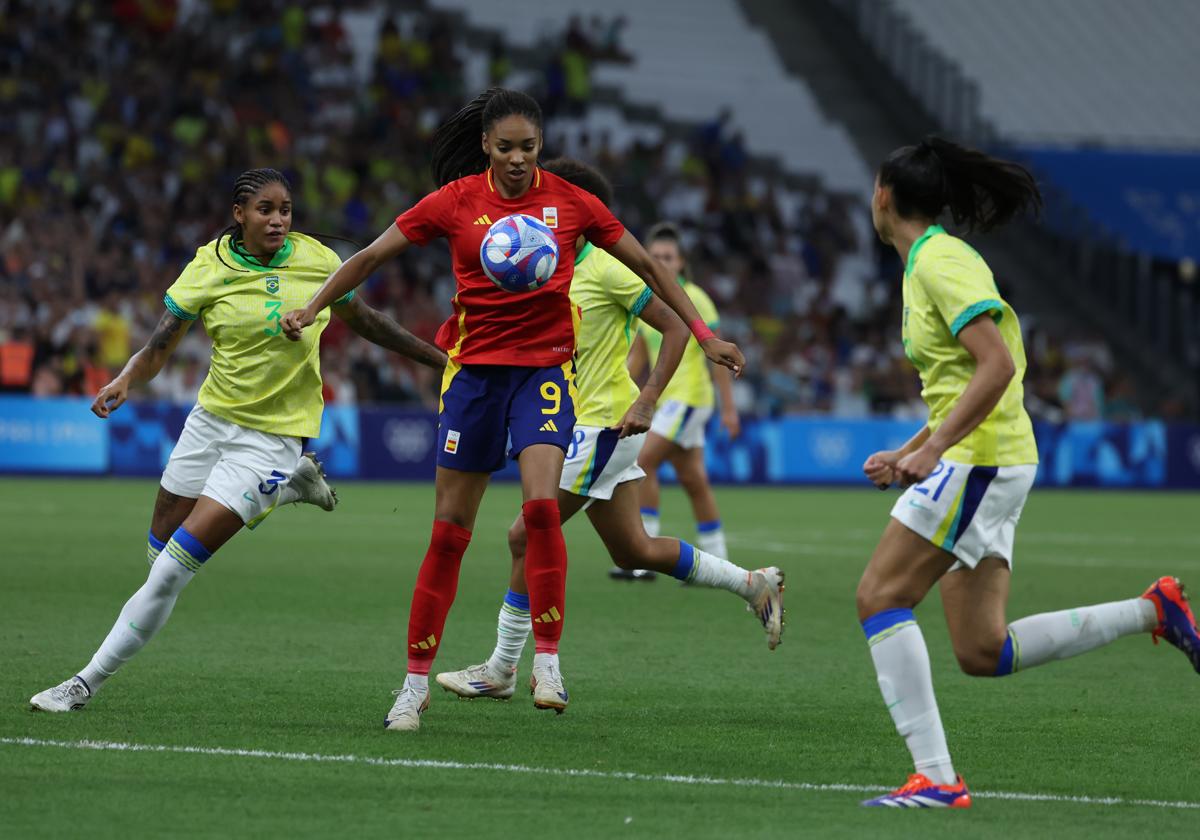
(598,459)
(969,511)
(681,423)
(241,468)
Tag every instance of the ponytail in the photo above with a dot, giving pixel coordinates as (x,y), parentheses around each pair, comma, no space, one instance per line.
(981,192)
(456,144)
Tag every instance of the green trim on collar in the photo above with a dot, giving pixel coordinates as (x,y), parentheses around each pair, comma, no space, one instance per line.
(932,230)
(681,280)
(281,256)
(583,252)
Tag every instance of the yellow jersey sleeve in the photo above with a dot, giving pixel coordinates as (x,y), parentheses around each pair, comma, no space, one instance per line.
(704,305)
(958,283)
(332,263)
(195,288)
(625,289)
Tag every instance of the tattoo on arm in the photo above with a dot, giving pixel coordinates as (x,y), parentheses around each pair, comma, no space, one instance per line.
(168,327)
(378,328)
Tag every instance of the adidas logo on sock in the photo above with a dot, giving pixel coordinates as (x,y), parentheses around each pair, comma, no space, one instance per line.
(483,220)
(548,426)
(427,644)
(549,617)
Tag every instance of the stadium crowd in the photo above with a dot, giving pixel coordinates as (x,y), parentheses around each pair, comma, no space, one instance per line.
(113,171)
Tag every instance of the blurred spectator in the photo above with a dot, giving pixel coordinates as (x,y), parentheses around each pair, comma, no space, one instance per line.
(125,125)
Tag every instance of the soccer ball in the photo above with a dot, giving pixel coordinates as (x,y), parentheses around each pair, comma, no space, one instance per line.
(519,253)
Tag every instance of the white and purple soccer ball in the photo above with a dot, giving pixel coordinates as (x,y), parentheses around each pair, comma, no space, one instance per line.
(519,253)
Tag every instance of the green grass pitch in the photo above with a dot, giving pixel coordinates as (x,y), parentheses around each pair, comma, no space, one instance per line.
(293,636)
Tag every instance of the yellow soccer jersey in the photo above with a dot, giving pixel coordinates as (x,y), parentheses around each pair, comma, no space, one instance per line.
(692,383)
(258,378)
(609,297)
(946,285)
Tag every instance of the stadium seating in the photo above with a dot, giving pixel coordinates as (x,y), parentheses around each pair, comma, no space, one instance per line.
(1072,72)
(692,65)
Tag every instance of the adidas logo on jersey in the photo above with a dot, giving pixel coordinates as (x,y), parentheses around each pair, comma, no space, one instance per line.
(549,617)
(483,220)
(548,426)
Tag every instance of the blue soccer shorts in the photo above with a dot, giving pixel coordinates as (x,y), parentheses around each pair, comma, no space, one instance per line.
(488,411)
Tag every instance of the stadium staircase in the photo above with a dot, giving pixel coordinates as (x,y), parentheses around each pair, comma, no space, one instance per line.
(872,68)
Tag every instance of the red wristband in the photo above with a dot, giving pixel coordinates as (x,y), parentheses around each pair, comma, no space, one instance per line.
(701,330)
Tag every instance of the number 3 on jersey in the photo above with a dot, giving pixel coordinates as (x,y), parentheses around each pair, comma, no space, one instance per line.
(552,394)
(273,315)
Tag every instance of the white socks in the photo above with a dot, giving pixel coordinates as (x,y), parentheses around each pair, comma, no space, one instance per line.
(650,521)
(142,616)
(288,495)
(902,668)
(512,629)
(420,682)
(708,570)
(545,660)
(710,537)
(1038,639)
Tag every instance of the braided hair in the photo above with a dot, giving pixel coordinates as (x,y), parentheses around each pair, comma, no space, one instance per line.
(246,185)
(980,191)
(456,148)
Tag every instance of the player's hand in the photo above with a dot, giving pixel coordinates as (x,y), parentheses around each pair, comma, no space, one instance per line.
(637,419)
(880,468)
(731,422)
(724,353)
(916,466)
(295,321)
(111,397)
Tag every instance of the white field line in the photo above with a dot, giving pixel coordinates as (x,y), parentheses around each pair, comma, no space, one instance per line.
(565,772)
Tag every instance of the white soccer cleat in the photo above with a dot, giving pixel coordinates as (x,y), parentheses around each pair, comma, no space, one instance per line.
(70,696)
(479,681)
(405,715)
(308,480)
(546,686)
(767,603)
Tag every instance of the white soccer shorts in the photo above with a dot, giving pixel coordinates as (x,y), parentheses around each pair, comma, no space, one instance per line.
(969,511)
(241,468)
(598,460)
(681,423)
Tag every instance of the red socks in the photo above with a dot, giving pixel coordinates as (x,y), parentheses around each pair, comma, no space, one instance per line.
(545,572)
(437,583)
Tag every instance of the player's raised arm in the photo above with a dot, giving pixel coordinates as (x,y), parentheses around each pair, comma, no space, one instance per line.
(389,244)
(629,251)
(675,338)
(143,365)
(380,328)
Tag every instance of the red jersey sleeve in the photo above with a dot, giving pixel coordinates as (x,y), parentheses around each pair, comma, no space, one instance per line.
(600,226)
(429,218)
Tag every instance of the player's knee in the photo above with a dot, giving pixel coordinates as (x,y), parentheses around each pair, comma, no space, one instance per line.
(874,596)
(516,538)
(980,658)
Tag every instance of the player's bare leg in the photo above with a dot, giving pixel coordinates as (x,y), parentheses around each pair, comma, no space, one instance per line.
(693,477)
(987,645)
(207,527)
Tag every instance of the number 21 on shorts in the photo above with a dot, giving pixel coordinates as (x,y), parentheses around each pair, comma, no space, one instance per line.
(927,487)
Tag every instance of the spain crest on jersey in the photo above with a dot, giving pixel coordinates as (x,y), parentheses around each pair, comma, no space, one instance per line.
(273,284)
(550,216)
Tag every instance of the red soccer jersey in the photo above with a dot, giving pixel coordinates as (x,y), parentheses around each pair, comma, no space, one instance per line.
(491,326)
